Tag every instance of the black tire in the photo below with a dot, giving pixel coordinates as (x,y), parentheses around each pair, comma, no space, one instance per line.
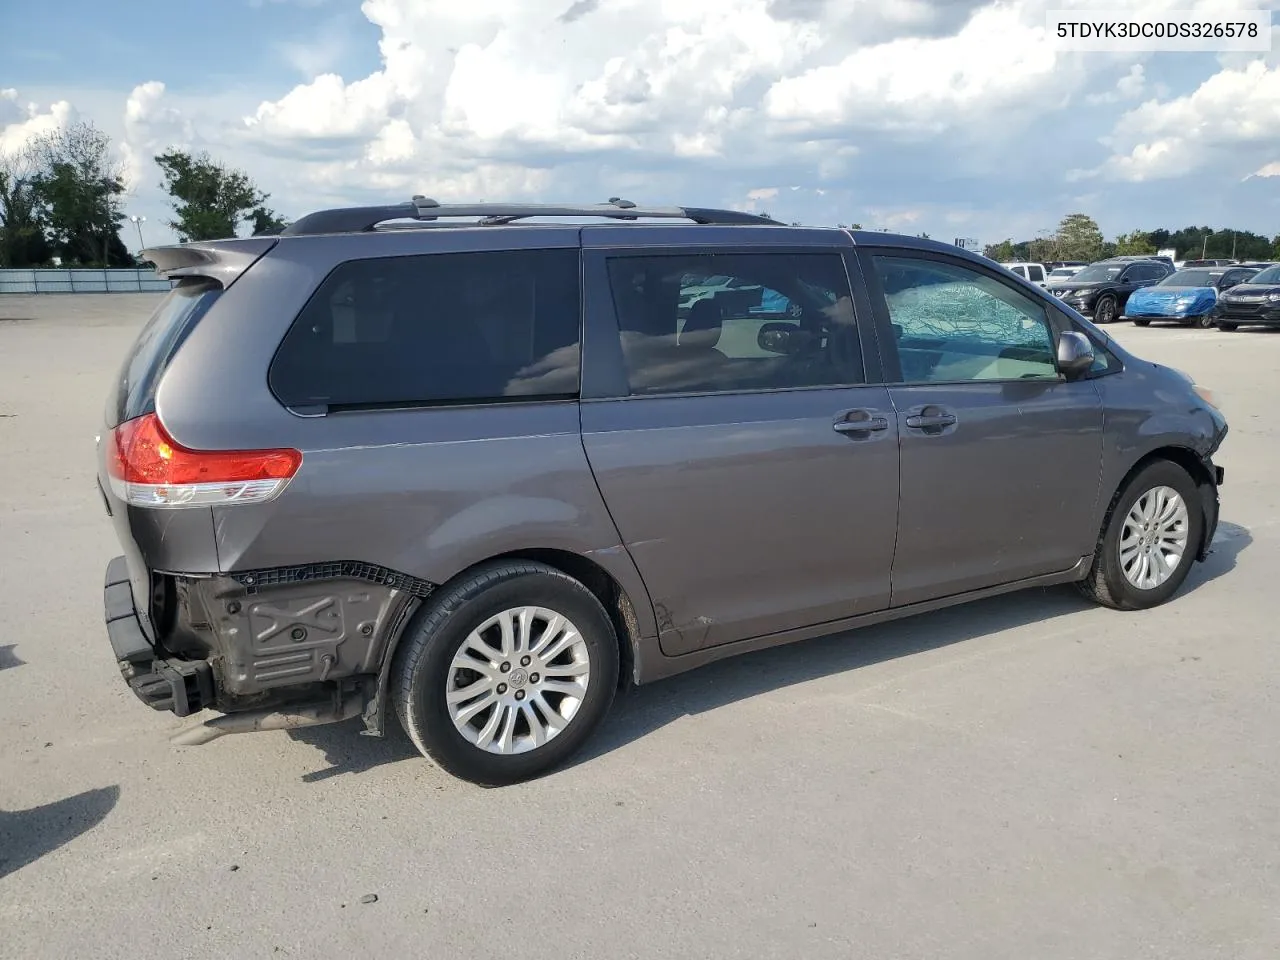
(1143,322)
(1228,327)
(1106,583)
(424,656)
(1105,309)
(1205,321)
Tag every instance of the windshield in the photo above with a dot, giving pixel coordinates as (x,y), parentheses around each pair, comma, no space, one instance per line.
(1269,275)
(1063,272)
(1191,278)
(1100,271)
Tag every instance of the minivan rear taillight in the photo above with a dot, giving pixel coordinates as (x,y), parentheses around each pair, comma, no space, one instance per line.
(148,468)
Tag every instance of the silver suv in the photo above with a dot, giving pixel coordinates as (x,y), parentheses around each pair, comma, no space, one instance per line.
(481,465)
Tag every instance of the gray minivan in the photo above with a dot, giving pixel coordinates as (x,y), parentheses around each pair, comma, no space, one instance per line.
(481,465)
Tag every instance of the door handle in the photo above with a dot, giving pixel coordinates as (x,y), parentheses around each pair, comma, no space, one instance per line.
(923,422)
(932,420)
(859,421)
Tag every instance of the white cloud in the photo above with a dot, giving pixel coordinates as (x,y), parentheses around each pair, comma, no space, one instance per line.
(1000,60)
(1269,170)
(21,122)
(1235,113)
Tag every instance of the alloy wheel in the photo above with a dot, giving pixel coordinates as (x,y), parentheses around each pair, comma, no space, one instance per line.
(517,680)
(1153,539)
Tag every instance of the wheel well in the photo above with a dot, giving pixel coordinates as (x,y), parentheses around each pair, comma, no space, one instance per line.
(1183,457)
(606,589)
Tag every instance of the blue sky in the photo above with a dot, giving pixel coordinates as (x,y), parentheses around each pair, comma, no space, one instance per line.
(952,117)
(245,43)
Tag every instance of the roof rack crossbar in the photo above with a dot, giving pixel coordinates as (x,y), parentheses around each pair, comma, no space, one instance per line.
(366,219)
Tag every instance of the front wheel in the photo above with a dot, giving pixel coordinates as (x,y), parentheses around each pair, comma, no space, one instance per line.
(506,675)
(1228,327)
(1105,311)
(1150,540)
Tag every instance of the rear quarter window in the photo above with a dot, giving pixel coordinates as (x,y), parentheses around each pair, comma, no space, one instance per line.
(436,329)
(171,323)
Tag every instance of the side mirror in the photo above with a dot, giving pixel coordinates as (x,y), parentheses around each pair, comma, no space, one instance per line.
(784,339)
(1075,354)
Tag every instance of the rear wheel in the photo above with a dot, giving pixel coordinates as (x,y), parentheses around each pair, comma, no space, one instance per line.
(1149,541)
(1105,311)
(508,674)
(1141,322)
(1205,321)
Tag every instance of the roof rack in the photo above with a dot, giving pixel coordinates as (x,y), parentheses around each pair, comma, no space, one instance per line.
(424,209)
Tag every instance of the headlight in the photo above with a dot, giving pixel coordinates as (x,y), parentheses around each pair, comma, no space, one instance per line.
(1273,296)
(1204,393)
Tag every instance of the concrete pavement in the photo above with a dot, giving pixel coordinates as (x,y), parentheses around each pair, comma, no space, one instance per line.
(1025,777)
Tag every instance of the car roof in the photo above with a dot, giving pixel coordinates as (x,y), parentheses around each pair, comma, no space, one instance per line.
(618,222)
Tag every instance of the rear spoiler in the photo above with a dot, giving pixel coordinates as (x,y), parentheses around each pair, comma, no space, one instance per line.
(220,260)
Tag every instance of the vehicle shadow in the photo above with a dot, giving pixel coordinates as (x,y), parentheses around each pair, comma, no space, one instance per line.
(8,658)
(346,751)
(27,835)
(1230,541)
(646,709)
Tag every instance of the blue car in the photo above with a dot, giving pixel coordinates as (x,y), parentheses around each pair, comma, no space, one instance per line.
(1186,297)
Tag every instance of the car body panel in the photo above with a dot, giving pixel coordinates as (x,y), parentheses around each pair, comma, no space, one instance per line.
(1023,456)
(748,514)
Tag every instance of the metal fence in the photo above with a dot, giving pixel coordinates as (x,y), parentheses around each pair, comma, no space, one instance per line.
(80,280)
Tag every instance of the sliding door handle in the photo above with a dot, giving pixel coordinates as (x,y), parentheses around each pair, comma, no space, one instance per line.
(931,421)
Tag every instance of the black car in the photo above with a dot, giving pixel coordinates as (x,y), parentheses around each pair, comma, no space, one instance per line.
(1257,301)
(1101,290)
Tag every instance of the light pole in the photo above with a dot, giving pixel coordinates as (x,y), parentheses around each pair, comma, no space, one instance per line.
(138,222)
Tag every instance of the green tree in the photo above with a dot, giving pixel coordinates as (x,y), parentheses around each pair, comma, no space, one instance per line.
(22,240)
(1275,248)
(78,190)
(266,223)
(1078,238)
(210,199)
(1002,251)
(1136,243)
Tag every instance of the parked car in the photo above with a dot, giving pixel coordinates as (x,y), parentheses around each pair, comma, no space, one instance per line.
(1032,272)
(481,475)
(1059,276)
(1187,297)
(1101,290)
(1256,302)
(1187,264)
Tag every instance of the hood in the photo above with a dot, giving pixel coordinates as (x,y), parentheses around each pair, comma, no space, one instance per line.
(1161,292)
(1252,290)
